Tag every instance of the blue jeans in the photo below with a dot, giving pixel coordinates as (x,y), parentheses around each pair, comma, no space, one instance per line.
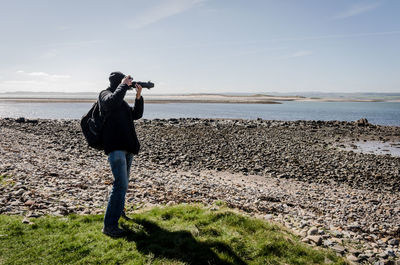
(120,162)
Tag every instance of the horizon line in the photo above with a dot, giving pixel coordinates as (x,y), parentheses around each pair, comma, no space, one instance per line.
(205,93)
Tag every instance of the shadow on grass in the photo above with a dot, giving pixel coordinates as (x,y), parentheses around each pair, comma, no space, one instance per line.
(178,245)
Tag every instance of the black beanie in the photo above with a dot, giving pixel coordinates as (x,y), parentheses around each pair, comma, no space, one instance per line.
(115,79)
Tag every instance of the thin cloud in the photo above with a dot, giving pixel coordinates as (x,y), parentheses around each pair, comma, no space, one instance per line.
(299,54)
(21,82)
(288,39)
(357,10)
(164,10)
(43,75)
(243,54)
(75,44)
(50,53)
(340,36)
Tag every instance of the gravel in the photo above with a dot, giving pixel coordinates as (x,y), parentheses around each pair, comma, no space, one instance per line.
(293,173)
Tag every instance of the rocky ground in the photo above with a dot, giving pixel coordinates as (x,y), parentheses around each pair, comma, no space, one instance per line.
(293,173)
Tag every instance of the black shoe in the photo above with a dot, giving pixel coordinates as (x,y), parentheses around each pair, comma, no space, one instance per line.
(123,215)
(113,232)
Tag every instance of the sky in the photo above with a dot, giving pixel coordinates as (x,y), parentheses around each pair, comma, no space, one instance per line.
(201,46)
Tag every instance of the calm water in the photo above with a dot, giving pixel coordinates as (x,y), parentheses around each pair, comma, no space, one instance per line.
(384,113)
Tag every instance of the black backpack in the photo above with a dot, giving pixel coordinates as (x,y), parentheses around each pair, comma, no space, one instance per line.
(92,124)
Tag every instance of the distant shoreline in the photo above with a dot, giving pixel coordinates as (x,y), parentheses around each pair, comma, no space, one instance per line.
(151,101)
(197,98)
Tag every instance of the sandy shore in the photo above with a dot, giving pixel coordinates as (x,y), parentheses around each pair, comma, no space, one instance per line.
(294,173)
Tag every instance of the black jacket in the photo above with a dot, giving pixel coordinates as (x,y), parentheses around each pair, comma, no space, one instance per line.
(119,131)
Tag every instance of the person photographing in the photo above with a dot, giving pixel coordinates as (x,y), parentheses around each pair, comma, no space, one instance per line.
(120,143)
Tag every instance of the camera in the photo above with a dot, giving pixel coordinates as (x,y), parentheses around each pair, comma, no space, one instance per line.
(147,85)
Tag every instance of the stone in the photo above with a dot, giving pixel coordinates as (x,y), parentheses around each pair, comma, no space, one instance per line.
(354,251)
(352,258)
(29,203)
(354,227)
(170,203)
(20,120)
(390,253)
(312,231)
(316,239)
(26,221)
(393,242)
(338,249)
(18,192)
(33,214)
(305,240)
(328,243)
(337,234)
(364,256)
(34,121)
(319,186)
(383,255)
(362,122)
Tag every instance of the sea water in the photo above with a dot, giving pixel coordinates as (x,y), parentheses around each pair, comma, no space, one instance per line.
(382,113)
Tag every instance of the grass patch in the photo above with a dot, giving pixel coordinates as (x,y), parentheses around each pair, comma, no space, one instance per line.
(4,180)
(182,234)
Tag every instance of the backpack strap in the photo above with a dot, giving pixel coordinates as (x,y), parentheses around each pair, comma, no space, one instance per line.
(104,115)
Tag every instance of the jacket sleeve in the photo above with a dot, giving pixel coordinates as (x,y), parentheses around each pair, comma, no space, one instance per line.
(137,110)
(110,100)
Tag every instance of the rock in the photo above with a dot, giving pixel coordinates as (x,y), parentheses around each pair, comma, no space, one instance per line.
(15,203)
(319,190)
(338,249)
(59,213)
(312,231)
(29,203)
(364,256)
(25,220)
(337,234)
(383,255)
(354,227)
(390,253)
(393,242)
(18,192)
(34,121)
(354,251)
(315,239)
(352,258)
(362,122)
(170,203)
(268,216)
(327,243)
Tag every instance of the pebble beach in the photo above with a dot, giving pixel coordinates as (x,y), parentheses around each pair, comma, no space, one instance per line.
(308,176)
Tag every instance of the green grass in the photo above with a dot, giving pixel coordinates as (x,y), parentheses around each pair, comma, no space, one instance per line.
(182,234)
(4,180)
